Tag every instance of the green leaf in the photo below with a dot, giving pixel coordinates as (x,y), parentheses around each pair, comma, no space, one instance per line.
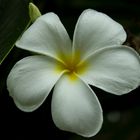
(14,18)
(34,12)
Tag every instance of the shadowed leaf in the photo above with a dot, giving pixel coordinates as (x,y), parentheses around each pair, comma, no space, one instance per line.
(14,19)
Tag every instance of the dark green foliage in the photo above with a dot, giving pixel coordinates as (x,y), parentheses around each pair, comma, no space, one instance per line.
(13,21)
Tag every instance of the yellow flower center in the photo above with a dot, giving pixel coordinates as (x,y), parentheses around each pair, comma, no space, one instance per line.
(72,66)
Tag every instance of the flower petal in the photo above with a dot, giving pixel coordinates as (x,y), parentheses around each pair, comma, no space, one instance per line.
(95,30)
(75,107)
(31,80)
(46,36)
(114,69)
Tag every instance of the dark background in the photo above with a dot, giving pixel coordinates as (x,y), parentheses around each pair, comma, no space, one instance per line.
(121,113)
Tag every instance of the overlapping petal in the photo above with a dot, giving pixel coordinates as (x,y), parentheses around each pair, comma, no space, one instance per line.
(31,80)
(115,70)
(46,36)
(75,107)
(95,30)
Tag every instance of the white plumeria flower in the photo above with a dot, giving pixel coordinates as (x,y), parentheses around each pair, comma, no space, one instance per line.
(95,57)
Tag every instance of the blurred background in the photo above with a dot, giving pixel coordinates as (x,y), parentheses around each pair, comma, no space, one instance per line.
(121,113)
